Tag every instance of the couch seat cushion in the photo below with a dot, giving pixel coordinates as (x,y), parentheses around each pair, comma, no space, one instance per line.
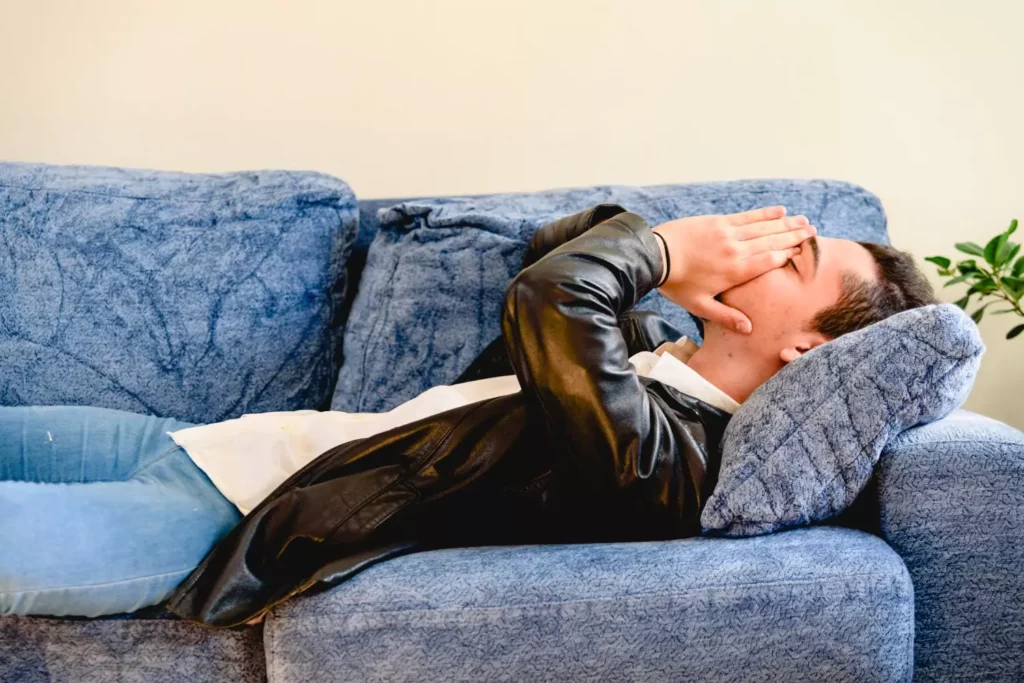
(136,649)
(814,604)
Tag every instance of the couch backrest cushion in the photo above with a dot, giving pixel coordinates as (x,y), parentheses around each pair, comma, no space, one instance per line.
(430,294)
(194,296)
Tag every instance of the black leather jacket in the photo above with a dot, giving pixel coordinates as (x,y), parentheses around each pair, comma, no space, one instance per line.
(587,451)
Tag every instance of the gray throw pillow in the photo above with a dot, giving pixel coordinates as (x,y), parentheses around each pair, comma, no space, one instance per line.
(804,444)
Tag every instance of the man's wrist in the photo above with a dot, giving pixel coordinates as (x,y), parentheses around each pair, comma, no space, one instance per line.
(648,267)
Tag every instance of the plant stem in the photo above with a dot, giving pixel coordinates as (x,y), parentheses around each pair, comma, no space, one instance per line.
(1004,293)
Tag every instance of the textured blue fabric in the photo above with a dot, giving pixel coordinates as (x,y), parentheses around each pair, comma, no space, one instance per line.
(805,443)
(430,296)
(36,650)
(819,604)
(951,498)
(198,297)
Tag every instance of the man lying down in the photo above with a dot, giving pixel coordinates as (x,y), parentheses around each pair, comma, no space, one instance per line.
(586,422)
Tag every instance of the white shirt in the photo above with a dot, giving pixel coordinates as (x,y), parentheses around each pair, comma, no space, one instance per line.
(248,457)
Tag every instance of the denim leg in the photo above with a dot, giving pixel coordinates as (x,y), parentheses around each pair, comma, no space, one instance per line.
(109,520)
(79,444)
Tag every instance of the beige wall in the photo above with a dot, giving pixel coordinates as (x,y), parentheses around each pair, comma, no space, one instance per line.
(920,101)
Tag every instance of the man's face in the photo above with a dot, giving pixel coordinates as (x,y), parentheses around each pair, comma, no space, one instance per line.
(782,302)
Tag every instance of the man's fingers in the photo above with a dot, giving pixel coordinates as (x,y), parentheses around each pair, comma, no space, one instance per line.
(717,312)
(767,213)
(759,264)
(761,228)
(777,242)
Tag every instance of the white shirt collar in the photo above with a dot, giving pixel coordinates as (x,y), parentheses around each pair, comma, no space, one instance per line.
(668,369)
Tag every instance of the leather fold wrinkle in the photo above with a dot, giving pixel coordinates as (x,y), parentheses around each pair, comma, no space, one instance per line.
(587,451)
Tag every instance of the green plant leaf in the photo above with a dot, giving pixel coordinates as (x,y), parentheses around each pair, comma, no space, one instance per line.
(957,280)
(1014,248)
(1003,311)
(992,247)
(962,303)
(1013,226)
(970,248)
(1018,267)
(1015,331)
(1012,282)
(978,314)
(940,261)
(984,284)
(967,266)
(1005,251)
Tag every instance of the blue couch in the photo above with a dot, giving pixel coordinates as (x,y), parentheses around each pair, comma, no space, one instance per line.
(922,578)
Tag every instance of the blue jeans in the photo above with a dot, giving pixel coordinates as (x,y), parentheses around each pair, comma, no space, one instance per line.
(100,511)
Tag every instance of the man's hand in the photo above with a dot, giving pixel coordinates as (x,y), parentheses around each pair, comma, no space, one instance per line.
(710,254)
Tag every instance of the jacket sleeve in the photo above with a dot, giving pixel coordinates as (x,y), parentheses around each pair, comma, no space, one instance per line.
(621,445)
(559,232)
(643,330)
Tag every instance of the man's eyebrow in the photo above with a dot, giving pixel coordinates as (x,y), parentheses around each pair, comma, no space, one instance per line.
(814,250)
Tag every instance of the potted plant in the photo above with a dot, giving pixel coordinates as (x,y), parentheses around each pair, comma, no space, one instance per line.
(997,280)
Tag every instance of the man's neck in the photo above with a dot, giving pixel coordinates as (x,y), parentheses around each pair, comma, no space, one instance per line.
(729,367)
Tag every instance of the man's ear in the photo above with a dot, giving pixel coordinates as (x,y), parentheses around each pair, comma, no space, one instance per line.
(801,345)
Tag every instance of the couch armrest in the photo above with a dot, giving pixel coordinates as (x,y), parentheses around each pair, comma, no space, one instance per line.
(951,499)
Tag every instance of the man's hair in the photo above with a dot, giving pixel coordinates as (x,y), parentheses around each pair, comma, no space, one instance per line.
(899,286)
